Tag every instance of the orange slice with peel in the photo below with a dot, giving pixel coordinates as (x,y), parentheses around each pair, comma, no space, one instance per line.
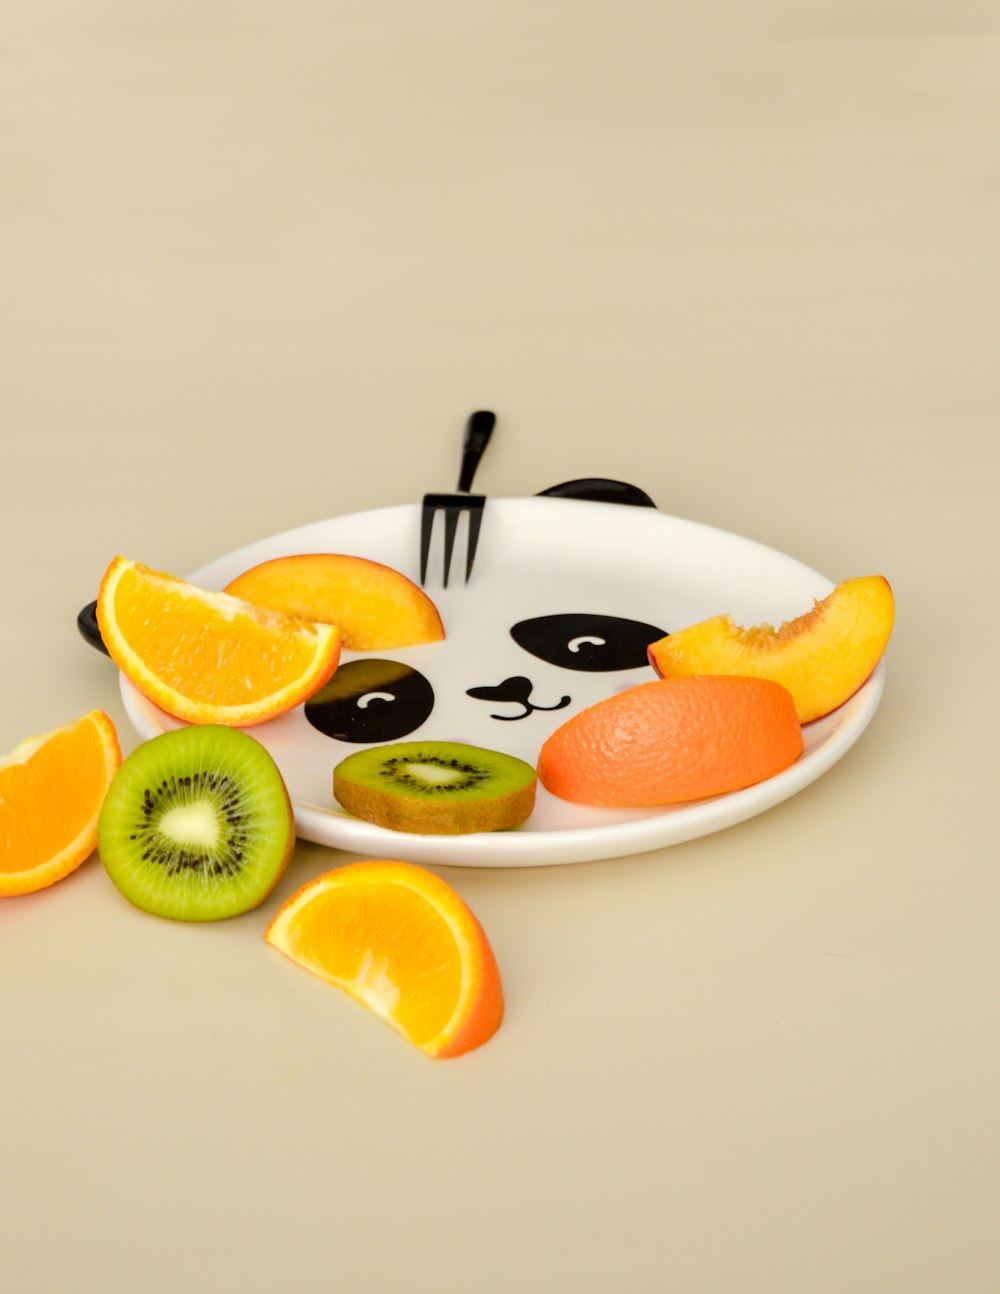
(399,940)
(207,657)
(51,790)
(374,606)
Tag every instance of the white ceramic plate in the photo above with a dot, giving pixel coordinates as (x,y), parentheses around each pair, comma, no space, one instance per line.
(539,557)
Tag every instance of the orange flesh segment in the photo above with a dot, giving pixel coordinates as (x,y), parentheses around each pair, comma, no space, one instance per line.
(235,657)
(400,941)
(34,833)
(51,791)
(207,657)
(337,938)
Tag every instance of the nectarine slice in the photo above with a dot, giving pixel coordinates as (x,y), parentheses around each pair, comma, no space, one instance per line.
(822,657)
(375,607)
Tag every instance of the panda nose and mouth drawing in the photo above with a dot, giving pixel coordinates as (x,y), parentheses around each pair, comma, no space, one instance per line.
(579,641)
(518,690)
(374,700)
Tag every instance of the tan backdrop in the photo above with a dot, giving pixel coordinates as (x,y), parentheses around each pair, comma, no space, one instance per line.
(257,262)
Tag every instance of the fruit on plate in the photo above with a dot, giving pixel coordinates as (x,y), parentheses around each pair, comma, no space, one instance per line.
(374,606)
(400,941)
(435,787)
(822,657)
(51,790)
(197,825)
(673,740)
(207,657)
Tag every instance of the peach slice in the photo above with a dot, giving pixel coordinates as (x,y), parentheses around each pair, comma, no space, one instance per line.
(822,657)
(373,606)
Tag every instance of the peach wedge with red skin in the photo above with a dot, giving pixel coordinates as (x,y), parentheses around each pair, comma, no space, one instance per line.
(822,657)
(374,606)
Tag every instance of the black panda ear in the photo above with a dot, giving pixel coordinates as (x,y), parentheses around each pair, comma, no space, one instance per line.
(370,701)
(583,640)
(599,489)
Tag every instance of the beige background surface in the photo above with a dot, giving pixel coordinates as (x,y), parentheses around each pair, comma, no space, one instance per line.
(258,261)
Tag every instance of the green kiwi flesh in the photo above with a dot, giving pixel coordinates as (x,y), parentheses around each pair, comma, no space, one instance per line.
(197,824)
(435,787)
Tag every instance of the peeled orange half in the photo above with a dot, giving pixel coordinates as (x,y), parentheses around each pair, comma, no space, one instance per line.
(51,791)
(399,940)
(207,657)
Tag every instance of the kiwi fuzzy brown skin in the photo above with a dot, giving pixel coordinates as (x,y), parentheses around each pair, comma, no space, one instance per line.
(361,789)
(227,787)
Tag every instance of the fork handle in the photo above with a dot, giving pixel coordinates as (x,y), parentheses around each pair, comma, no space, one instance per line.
(478,431)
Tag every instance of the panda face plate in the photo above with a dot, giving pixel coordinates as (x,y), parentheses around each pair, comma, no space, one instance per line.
(564,598)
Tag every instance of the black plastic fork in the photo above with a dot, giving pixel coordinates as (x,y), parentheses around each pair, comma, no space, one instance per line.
(478,431)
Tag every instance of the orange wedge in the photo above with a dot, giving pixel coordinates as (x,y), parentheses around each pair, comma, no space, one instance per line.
(399,940)
(207,657)
(51,791)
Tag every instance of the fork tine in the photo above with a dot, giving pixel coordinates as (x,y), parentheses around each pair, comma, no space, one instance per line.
(452,505)
(426,529)
(450,527)
(475,521)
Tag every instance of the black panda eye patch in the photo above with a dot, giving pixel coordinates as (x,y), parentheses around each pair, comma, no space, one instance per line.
(585,641)
(371,701)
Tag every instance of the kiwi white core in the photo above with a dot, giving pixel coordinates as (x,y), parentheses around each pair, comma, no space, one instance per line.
(435,773)
(191,825)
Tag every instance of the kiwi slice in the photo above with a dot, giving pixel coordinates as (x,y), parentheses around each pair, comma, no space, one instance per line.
(435,787)
(197,824)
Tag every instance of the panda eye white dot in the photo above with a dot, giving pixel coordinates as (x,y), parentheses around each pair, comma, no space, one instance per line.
(575,644)
(366,700)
